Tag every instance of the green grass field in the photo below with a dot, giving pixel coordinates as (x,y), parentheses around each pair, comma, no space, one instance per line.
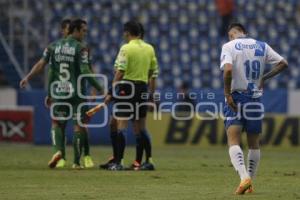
(182,173)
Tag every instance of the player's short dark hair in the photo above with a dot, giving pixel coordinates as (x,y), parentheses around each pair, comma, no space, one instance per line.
(64,23)
(237,26)
(132,27)
(76,25)
(142,30)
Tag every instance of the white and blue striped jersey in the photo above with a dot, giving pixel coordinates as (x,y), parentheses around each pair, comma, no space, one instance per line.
(248,58)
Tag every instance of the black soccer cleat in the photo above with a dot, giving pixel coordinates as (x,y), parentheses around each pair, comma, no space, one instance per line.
(107,164)
(116,167)
(147,166)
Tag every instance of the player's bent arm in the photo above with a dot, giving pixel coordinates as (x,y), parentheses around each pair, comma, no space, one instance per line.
(50,81)
(84,69)
(282,65)
(118,76)
(152,81)
(227,76)
(152,85)
(36,69)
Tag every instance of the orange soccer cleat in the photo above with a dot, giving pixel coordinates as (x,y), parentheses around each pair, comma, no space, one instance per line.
(244,186)
(54,160)
(249,190)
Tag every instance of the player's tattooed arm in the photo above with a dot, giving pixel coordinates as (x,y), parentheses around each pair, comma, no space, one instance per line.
(227,76)
(227,79)
(282,65)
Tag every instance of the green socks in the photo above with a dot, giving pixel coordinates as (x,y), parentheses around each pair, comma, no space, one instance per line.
(57,139)
(86,143)
(78,143)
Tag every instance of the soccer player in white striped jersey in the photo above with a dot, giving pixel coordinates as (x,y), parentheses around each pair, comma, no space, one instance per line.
(243,60)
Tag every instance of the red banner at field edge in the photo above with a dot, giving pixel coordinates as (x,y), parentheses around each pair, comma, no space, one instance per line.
(16,125)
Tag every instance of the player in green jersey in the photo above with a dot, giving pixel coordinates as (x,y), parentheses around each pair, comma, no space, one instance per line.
(88,162)
(41,64)
(69,59)
(39,68)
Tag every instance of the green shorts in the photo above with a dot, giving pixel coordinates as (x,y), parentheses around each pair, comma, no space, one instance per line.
(64,110)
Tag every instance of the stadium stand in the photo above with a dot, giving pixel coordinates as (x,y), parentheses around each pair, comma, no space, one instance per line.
(185,34)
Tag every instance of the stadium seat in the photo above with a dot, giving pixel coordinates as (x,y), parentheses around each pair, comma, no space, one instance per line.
(184,34)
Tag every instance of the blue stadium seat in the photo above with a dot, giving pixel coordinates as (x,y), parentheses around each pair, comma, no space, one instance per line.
(184,34)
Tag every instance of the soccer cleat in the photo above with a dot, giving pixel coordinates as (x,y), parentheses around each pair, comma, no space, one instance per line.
(249,190)
(244,185)
(88,162)
(107,164)
(134,166)
(76,166)
(147,166)
(61,163)
(55,158)
(116,167)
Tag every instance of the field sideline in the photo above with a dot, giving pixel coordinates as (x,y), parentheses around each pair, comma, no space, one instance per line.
(182,173)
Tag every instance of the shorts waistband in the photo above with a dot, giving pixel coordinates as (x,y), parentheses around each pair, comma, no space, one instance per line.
(136,82)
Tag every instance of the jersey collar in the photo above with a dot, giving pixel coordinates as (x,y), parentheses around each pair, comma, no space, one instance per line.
(135,41)
(243,37)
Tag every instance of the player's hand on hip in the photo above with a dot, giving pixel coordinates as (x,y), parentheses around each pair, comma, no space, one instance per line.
(23,83)
(261,84)
(231,103)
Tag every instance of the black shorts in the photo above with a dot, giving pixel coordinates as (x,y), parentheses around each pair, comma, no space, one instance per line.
(131,100)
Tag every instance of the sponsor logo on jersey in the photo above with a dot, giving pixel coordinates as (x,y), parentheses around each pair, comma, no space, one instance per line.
(65,49)
(260,51)
(257,46)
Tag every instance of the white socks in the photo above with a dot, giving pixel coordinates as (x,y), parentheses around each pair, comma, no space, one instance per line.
(253,161)
(237,160)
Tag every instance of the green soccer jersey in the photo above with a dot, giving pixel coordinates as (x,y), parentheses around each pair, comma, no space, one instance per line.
(47,52)
(69,59)
(137,59)
(46,57)
(85,81)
